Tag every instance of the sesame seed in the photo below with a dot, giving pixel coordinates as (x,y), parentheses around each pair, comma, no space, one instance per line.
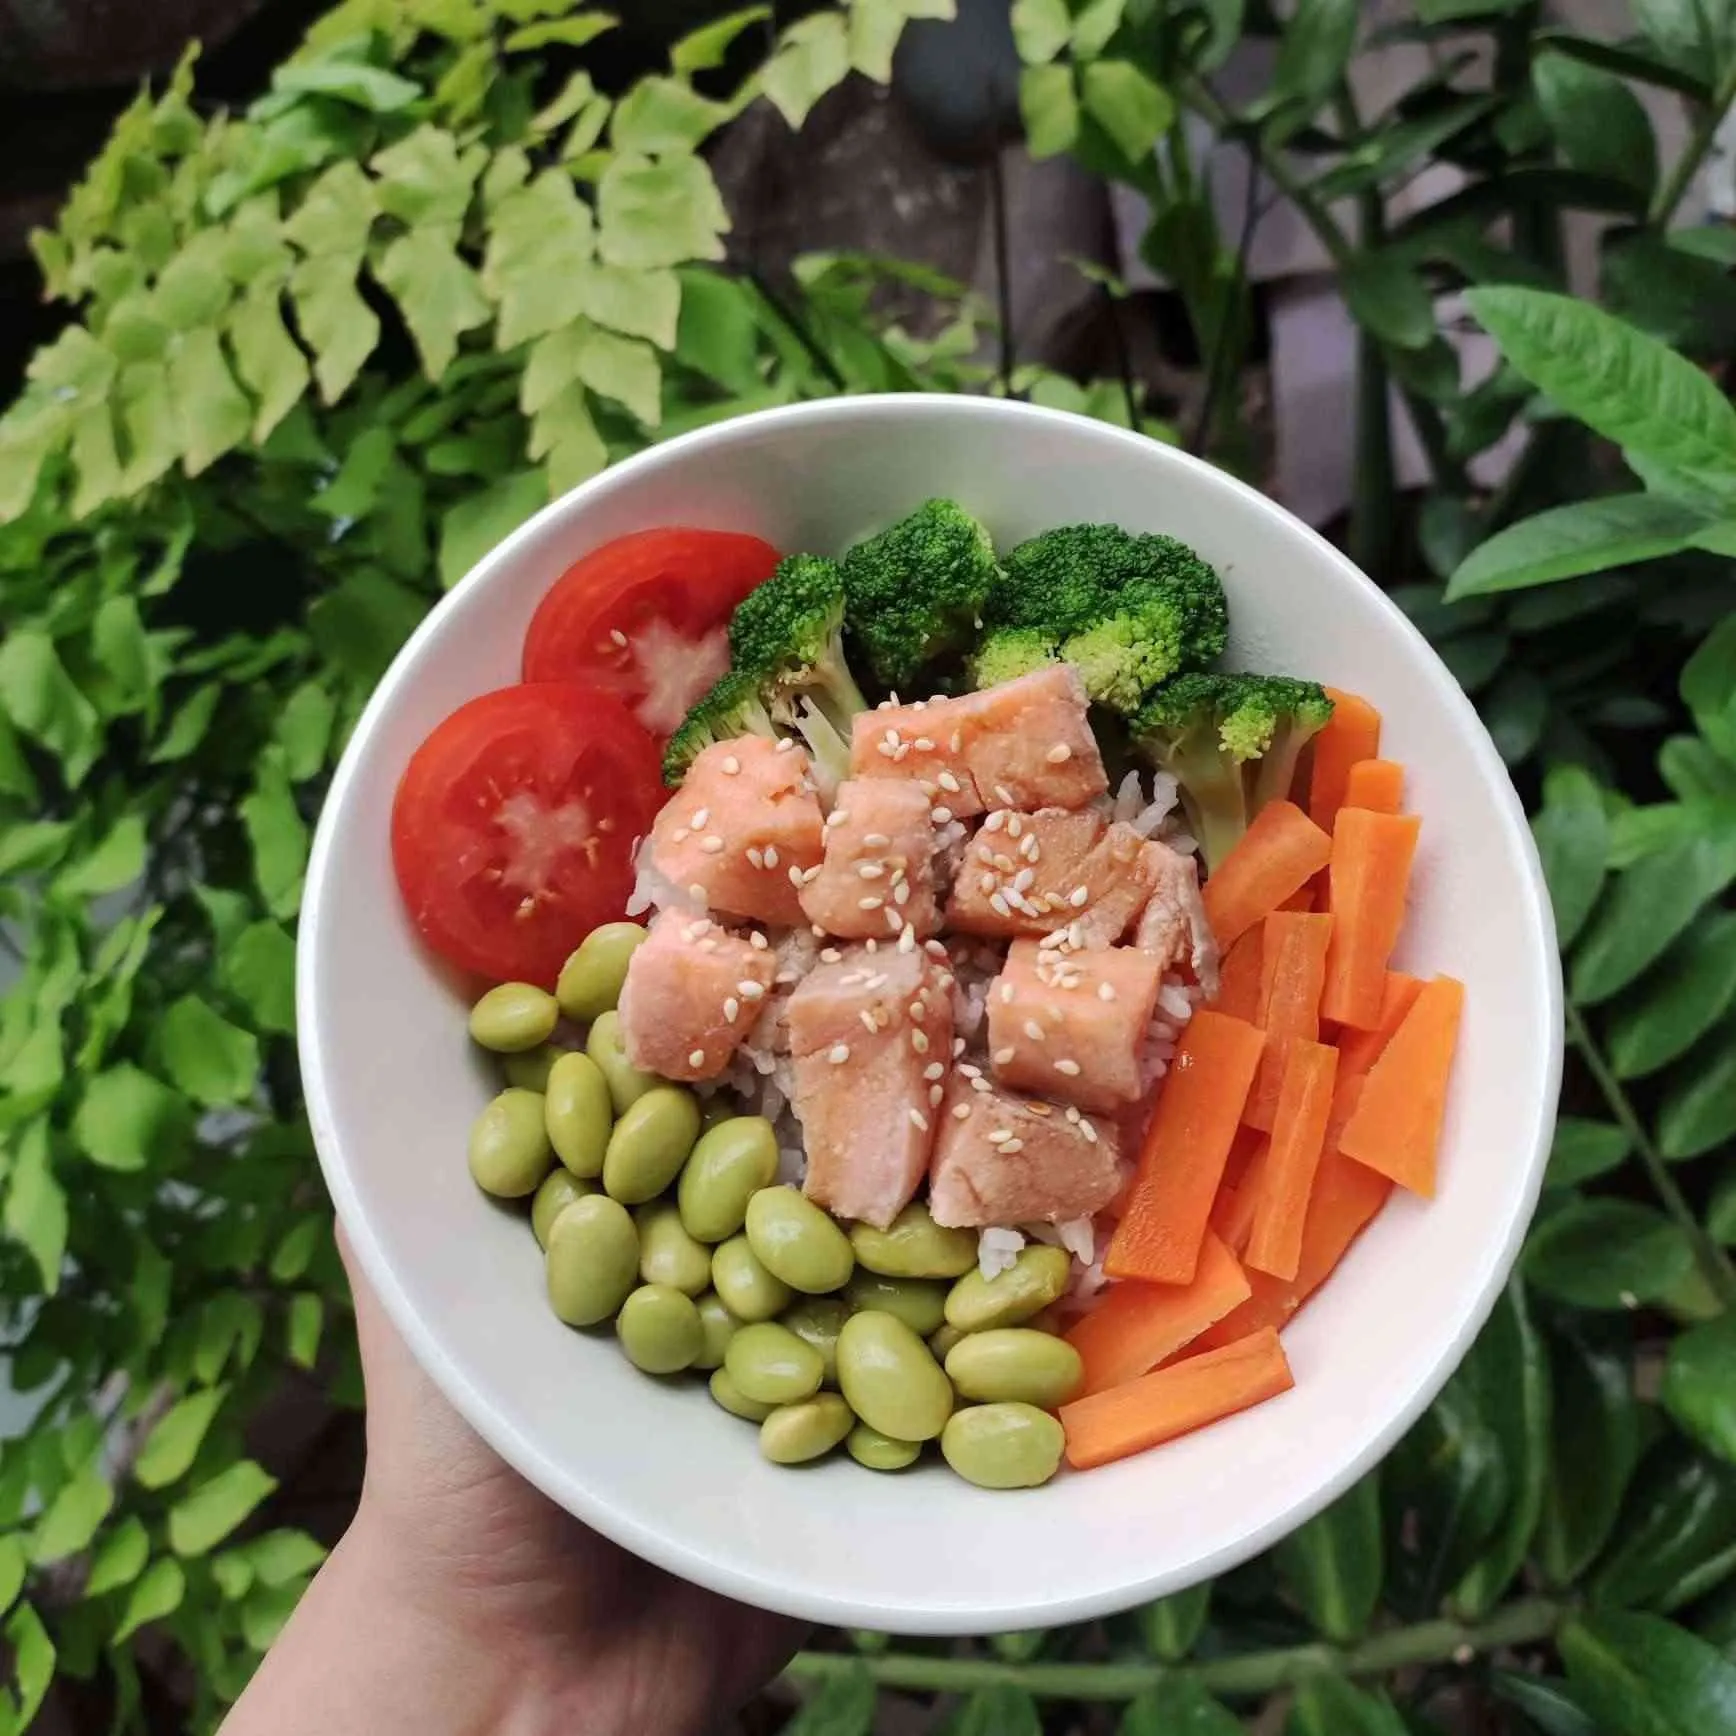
(1030,849)
(1077,897)
(970,1071)
(1004,796)
(712,846)
(679,836)
(941,816)
(618,637)
(873,944)
(934,1070)
(816,931)
(1002,1056)
(696,1058)
(1059,754)
(1045,1110)
(830,955)
(1000,905)
(957,741)
(948,783)
(935,1094)
(771,855)
(838,1054)
(895,920)
(918,1120)
(876,840)
(1005,864)
(980,1085)
(995,821)
(785,745)
(785,977)
(867,1019)
(749,990)
(1088,1130)
(870,870)
(890,738)
(731,1009)
(987,883)
(1035,1031)
(1024,879)
(901,893)
(810,874)
(1007,991)
(731,766)
(796,879)
(893,699)
(1106,991)
(838,817)
(756,856)
(1068,1066)
(886,752)
(1009,1146)
(907,940)
(999,1136)
(700,816)
(1015,825)
(869,903)
(961,1112)
(923,745)
(958,1047)
(697,890)
(926,787)
(919,1041)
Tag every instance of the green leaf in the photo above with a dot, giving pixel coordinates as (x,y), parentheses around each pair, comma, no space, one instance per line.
(1598,122)
(1313,52)
(707,48)
(1699,1108)
(638,304)
(173,1444)
(1388,296)
(813,57)
(1699,1388)
(116,860)
(1572,833)
(1546,1703)
(1677,1538)
(1584,1149)
(1664,413)
(119,1558)
(1649,905)
(129,1121)
(1594,1448)
(13,1565)
(1001,1710)
(156,1596)
(1688,33)
(663,115)
(1638,1675)
(1690,991)
(200,1521)
(1708,687)
(1721,1212)
(1696,772)
(352,81)
(540,241)
(36,1212)
(843,1705)
(573,32)
(658,214)
(306,1321)
(1049,104)
(267,358)
(624,369)
(33,1659)
(279,1557)
(426,180)
(127,655)
(210,1059)
(439,295)
(1132,110)
(1178,1706)
(876,26)
(1333,1564)
(73,1516)
(1172,1625)
(215,414)
(473,526)
(1680,299)
(1041,29)
(278,836)
(43,702)
(35,845)
(303,730)
(1607,1253)
(259,970)
(1330,1706)
(1629,59)
(295,1252)
(335,322)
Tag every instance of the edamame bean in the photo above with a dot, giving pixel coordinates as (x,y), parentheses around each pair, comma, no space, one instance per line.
(650,1143)
(627,1084)
(1003,1446)
(890,1380)
(514,1016)
(770,1363)
(1015,1363)
(667,1254)
(942,1339)
(509,1149)
(735,1401)
(558,1191)
(748,1290)
(919,1302)
(797,1242)
(733,1160)
(590,981)
(817,1320)
(593,1260)
(880,1452)
(530,1071)
(660,1330)
(719,1326)
(914,1246)
(578,1114)
(1035,1279)
(795,1433)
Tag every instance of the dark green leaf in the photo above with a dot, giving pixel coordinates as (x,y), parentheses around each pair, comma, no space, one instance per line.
(115,861)
(1003,1710)
(127,1120)
(1572,833)
(1514,712)
(259,969)
(1049,103)
(73,1516)
(1546,1703)
(1607,1253)
(1171,1625)
(1708,686)
(1329,1706)
(1132,110)
(201,1520)
(1474,659)
(1178,1706)
(1648,906)
(1640,1676)
(1313,51)
(439,295)
(281,1556)
(1332,1565)
(210,1059)
(306,1322)
(36,1212)
(187,727)
(1699,1108)
(1696,772)
(1584,1149)
(1714,241)
(1677,1536)
(1386,294)
(351,81)
(573,32)
(473,526)
(42,700)
(706,49)
(1627,60)
(1688,33)
(1678,298)
(33,1657)
(279,839)
(1690,991)
(1721,1212)
(119,1558)
(1700,1385)
(1598,123)
(169,1450)
(157,1595)
(1595,1445)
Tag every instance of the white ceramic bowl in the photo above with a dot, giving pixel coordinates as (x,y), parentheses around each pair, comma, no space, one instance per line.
(392,1083)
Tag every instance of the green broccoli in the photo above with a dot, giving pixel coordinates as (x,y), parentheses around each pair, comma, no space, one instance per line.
(1009,652)
(733,707)
(915,593)
(789,633)
(1231,742)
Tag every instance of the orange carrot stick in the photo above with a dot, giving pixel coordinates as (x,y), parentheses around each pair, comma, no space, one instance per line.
(1375,784)
(1239,979)
(1359,1050)
(1137,1326)
(1275,857)
(1371,865)
(1396,1125)
(1287,1176)
(1292,975)
(1352,734)
(1303,900)
(1235,1208)
(1240,1163)
(1174,1401)
(1186,1146)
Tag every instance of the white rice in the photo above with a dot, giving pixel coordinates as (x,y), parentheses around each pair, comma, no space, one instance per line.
(997,1250)
(1145,807)
(654,890)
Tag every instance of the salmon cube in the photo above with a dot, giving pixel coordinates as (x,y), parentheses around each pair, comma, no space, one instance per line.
(1072,1025)
(1173,924)
(878,871)
(743,830)
(923,743)
(692,994)
(871,1038)
(1004,1159)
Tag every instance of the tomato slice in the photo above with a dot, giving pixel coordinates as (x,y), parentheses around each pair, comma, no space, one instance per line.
(645,619)
(514,827)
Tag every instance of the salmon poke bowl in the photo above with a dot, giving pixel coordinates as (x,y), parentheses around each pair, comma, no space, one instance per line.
(929,1012)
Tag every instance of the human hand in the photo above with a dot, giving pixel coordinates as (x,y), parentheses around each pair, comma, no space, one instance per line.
(463,1601)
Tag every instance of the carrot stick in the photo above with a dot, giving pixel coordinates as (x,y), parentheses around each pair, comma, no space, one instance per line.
(1174,1401)
(1375,784)
(1303,900)
(1275,857)
(1234,1210)
(1396,1126)
(1352,734)
(1292,974)
(1371,865)
(1240,1163)
(1359,1050)
(1186,1146)
(1137,1326)
(1287,1176)
(1239,979)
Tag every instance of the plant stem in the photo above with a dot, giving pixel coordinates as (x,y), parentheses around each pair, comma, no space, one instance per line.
(1712,1260)
(1675,185)
(1250,1676)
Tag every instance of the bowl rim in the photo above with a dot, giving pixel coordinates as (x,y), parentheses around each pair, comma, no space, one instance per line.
(559,1482)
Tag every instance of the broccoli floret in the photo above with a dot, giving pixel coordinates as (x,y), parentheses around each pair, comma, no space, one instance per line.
(788,633)
(1231,742)
(1009,652)
(733,707)
(915,593)
(1143,637)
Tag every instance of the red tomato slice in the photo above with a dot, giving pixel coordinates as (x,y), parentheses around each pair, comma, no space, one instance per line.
(646,619)
(514,827)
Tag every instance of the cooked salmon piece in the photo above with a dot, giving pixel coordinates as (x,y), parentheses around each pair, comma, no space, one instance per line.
(692,994)
(878,871)
(1004,1159)
(1024,744)
(743,830)
(1072,1025)
(1173,925)
(871,1037)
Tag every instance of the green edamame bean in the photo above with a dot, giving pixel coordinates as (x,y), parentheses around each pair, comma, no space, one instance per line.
(514,1016)
(1003,1446)
(590,981)
(1015,1363)
(735,1401)
(558,1191)
(914,1246)
(748,1290)
(530,1070)
(733,1160)
(795,1433)
(890,1380)
(509,1149)
(798,1242)
(817,1320)
(919,1302)
(667,1254)
(660,1330)
(770,1363)
(1035,1279)
(578,1113)
(719,1326)
(593,1260)
(650,1143)
(880,1452)
(942,1339)
(627,1084)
